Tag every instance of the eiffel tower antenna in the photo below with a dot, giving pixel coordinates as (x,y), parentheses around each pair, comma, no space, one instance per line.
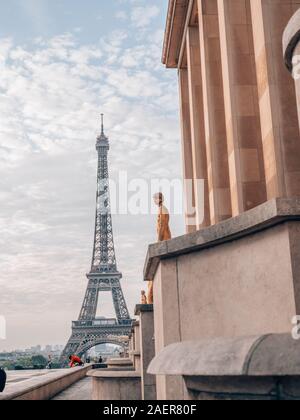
(102,123)
(104,276)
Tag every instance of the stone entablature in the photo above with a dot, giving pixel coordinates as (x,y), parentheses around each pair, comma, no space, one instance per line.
(174,29)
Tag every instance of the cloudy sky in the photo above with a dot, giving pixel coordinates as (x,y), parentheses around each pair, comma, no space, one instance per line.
(62,63)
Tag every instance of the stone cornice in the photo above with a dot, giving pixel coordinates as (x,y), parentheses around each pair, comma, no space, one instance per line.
(176,17)
(262,217)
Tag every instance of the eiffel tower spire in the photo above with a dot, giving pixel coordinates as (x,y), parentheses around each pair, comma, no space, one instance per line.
(104,258)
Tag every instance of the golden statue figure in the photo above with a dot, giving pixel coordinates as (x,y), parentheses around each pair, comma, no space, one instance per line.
(163,232)
(144,300)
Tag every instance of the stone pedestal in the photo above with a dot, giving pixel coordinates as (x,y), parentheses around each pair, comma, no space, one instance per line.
(116,386)
(238,278)
(119,364)
(145,312)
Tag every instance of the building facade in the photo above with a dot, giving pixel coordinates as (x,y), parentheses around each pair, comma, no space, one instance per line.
(240,129)
(227,294)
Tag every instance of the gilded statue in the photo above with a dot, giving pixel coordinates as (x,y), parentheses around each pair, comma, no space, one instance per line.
(163,232)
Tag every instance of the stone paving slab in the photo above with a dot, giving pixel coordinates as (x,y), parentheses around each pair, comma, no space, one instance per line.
(81,391)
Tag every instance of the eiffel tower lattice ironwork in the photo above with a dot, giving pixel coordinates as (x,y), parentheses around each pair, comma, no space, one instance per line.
(104,276)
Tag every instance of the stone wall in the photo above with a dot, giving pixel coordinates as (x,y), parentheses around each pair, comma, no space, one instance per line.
(238,278)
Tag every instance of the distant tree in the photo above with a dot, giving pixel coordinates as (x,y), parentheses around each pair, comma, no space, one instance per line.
(39,361)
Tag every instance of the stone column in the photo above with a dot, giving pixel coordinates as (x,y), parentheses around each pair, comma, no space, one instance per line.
(291,50)
(197,126)
(246,166)
(277,99)
(187,150)
(214,112)
(145,312)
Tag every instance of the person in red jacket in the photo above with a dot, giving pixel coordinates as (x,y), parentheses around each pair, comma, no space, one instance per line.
(75,361)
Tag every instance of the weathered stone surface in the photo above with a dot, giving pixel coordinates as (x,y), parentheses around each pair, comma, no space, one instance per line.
(275,355)
(243,388)
(116,386)
(220,357)
(268,355)
(80,391)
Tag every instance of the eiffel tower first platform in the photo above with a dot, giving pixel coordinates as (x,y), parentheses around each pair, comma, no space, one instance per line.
(104,276)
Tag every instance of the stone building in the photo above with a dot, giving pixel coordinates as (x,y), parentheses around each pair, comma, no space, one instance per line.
(226,293)
(240,128)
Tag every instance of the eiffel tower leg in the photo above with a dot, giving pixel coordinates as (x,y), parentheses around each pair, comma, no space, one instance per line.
(89,307)
(70,349)
(119,302)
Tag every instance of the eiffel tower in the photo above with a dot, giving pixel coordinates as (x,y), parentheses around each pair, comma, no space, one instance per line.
(104,276)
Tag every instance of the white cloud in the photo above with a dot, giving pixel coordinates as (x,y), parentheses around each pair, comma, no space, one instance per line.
(121,15)
(142,16)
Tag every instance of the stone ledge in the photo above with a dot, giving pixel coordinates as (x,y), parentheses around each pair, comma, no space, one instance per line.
(142,308)
(119,362)
(273,355)
(47,387)
(116,385)
(291,38)
(114,374)
(267,215)
(135,353)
